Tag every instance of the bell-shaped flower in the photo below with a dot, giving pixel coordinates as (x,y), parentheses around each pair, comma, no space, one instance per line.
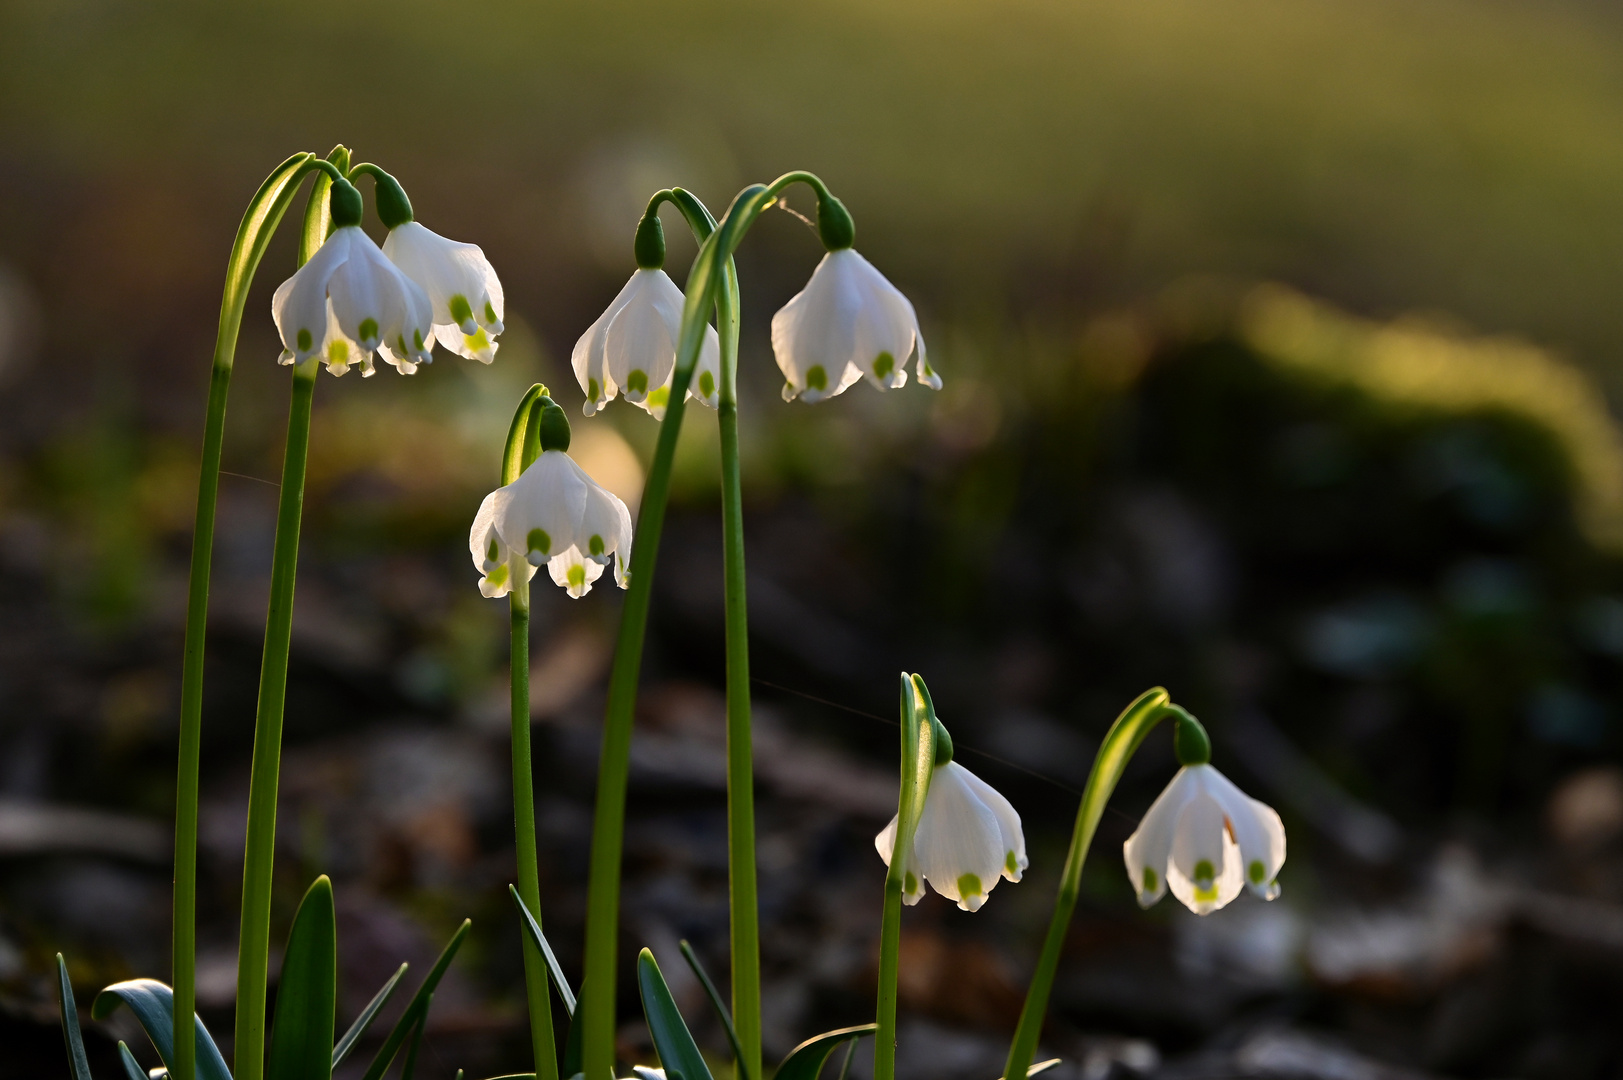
(1205,839)
(350,294)
(553,514)
(461,285)
(968,836)
(630,351)
(846,324)
(339,352)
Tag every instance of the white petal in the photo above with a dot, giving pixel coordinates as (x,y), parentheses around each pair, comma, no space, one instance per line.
(926,374)
(885,844)
(1257,830)
(812,334)
(591,370)
(1204,871)
(1149,849)
(958,842)
(300,304)
(539,514)
(459,281)
(639,346)
(884,327)
(705,385)
(483,543)
(574,572)
(1011,836)
(605,527)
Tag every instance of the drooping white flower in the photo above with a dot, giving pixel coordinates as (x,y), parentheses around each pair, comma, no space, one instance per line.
(968,836)
(1205,839)
(555,514)
(349,282)
(460,283)
(339,352)
(630,351)
(846,324)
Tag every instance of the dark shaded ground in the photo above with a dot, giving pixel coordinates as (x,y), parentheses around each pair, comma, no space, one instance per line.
(1387,614)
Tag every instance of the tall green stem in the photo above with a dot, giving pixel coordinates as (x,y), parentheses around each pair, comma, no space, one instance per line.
(522,448)
(259,223)
(918,763)
(705,289)
(259,851)
(1120,742)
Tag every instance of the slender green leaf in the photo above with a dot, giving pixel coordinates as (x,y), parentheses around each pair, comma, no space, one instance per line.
(533,929)
(717,1004)
(678,1053)
(77,1062)
(153,1004)
(418,1007)
(368,1014)
(409,1069)
(805,1061)
(572,1044)
(301,1045)
(132,1068)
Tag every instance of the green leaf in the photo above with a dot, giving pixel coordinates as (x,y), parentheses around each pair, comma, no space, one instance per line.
(364,1021)
(409,1069)
(539,940)
(418,1007)
(805,1061)
(77,1064)
(306,998)
(132,1068)
(153,1004)
(572,1063)
(678,1053)
(717,1004)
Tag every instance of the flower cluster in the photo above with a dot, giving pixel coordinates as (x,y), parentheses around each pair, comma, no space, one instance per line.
(354,298)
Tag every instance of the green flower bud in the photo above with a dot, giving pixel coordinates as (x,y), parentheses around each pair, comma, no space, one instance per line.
(394,208)
(834,224)
(649,246)
(554,426)
(346,204)
(1189,739)
(943,743)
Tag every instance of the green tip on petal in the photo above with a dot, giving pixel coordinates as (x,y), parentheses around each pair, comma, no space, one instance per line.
(538,540)
(1152,880)
(1256,871)
(816,378)
(969,886)
(1204,873)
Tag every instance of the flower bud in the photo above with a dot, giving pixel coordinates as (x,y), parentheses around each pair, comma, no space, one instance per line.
(834,224)
(649,247)
(346,204)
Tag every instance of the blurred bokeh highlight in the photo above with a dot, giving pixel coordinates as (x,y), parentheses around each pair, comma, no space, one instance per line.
(1281,344)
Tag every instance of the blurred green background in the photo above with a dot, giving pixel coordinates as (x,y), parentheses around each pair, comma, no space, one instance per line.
(1280,341)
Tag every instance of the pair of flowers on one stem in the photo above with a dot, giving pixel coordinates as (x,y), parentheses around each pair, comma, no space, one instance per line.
(354,298)
(848,320)
(1203,838)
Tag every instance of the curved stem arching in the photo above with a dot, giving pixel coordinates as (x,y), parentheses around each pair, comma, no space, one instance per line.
(711,284)
(1120,743)
(258,225)
(259,850)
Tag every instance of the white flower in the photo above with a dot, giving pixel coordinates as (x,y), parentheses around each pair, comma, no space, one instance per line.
(1205,838)
(460,283)
(968,835)
(350,291)
(631,349)
(847,323)
(339,352)
(554,514)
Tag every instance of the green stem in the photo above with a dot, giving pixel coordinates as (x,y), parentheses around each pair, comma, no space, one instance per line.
(259,851)
(1123,739)
(918,762)
(529,876)
(259,223)
(704,284)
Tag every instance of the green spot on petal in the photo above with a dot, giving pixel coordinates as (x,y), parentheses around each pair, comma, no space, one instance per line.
(817,378)
(707,383)
(490,312)
(304,341)
(595,546)
(637,382)
(498,576)
(369,329)
(1151,880)
(1204,872)
(1207,892)
(1011,864)
(884,364)
(493,550)
(338,352)
(539,541)
(461,310)
(417,336)
(592,389)
(1256,871)
(659,397)
(968,885)
(577,576)
(910,884)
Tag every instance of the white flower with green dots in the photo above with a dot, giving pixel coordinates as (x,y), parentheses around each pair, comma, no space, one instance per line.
(848,323)
(1205,839)
(968,836)
(555,515)
(630,351)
